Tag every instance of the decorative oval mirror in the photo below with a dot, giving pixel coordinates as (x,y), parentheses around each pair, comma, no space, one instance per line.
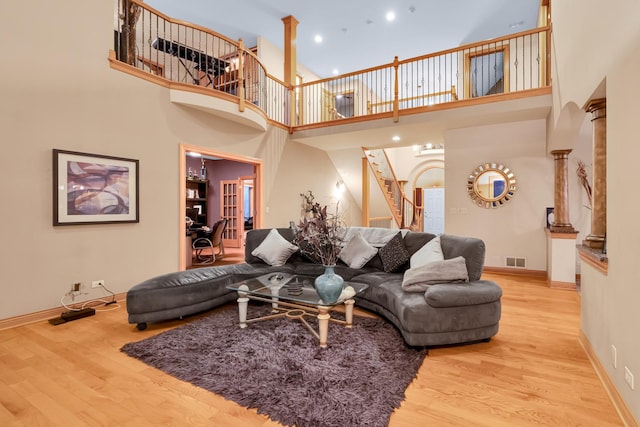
(491,185)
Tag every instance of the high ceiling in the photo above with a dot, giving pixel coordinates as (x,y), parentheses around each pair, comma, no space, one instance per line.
(355,33)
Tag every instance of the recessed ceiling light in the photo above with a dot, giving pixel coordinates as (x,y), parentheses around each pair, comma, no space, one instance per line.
(336,72)
(391,15)
(318,38)
(412,9)
(516,24)
(395,138)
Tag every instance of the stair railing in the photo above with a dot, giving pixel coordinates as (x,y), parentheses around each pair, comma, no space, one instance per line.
(402,208)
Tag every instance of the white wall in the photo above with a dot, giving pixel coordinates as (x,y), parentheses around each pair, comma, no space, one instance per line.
(594,43)
(517,228)
(79,103)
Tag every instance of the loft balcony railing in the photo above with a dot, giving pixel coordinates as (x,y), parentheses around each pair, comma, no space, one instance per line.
(510,64)
(194,58)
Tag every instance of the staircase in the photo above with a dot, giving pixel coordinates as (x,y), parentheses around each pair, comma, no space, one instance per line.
(403,211)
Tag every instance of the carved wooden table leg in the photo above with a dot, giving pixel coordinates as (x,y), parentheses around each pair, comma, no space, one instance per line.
(323,324)
(348,312)
(243,303)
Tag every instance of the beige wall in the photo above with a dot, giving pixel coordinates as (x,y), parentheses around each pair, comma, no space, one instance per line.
(595,42)
(517,228)
(59,92)
(272,58)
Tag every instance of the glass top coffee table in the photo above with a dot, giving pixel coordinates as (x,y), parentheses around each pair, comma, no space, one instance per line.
(294,296)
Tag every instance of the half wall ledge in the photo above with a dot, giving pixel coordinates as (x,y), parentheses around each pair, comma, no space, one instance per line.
(594,257)
(219,107)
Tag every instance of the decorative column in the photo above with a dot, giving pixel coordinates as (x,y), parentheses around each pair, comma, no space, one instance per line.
(561,237)
(598,110)
(561,193)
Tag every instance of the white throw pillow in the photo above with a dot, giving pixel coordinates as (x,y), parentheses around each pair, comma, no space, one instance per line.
(357,252)
(275,250)
(430,252)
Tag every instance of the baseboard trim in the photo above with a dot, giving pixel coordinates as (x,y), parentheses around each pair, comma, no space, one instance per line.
(43,315)
(618,402)
(568,286)
(522,272)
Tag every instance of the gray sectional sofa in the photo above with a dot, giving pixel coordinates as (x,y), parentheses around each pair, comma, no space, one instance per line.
(430,314)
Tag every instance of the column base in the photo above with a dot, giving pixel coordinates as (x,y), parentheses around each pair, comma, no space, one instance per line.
(594,242)
(562,228)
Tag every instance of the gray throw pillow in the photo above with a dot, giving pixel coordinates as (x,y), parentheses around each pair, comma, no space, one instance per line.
(275,250)
(419,279)
(357,252)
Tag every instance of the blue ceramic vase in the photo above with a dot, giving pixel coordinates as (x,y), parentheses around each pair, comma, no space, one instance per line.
(329,285)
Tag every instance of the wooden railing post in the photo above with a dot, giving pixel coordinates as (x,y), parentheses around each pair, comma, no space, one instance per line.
(131,13)
(365,192)
(241,88)
(396,104)
(290,64)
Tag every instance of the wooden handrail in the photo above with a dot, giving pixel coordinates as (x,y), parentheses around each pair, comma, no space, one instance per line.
(374,87)
(451,92)
(471,46)
(184,23)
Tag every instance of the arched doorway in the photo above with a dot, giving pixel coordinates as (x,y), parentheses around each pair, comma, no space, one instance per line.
(431,181)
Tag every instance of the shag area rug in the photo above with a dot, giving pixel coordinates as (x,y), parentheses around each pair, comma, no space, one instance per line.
(277,366)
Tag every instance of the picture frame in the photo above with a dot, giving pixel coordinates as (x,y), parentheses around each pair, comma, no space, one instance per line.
(94,189)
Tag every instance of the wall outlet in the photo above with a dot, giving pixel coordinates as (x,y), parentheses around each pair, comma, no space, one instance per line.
(614,356)
(97,284)
(628,377)
(75,287)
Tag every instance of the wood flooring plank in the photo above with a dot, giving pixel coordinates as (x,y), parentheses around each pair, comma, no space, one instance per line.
(533,372)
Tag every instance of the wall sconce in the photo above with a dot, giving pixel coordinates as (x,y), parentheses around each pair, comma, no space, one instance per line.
(339,190)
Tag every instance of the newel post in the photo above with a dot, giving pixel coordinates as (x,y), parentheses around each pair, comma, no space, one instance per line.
(290,64)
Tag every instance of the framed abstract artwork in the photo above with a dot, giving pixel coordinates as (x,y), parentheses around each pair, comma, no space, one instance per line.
(94,189)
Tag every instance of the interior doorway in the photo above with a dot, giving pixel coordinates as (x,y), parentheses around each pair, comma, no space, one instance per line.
(244,172)
(344,105)
(431,180)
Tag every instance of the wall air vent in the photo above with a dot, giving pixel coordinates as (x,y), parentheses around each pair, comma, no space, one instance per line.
(515,262)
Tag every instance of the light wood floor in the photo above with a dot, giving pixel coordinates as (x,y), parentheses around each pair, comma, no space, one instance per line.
(533,373)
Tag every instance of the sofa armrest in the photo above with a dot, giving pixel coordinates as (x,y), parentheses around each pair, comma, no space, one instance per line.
(462,294)
(471,248)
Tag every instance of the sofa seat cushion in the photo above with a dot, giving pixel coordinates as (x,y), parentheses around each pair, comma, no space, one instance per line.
(384,289)
(462,294)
